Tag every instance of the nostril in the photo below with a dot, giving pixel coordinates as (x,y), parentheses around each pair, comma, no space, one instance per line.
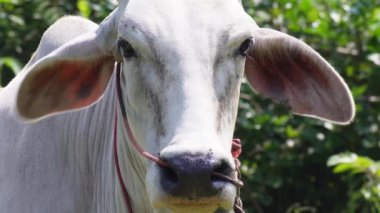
(169,178)
(169,174)
(225,169)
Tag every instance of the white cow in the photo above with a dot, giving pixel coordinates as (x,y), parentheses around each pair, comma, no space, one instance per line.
(182,65)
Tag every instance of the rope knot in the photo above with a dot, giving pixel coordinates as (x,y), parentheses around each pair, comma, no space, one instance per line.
(236,150)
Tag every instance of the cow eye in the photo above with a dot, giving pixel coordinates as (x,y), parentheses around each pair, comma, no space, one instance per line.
(126,49)
(245,46)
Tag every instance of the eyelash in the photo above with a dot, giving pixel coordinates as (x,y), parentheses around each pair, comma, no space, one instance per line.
(126,48)
(245,47)
(128,52)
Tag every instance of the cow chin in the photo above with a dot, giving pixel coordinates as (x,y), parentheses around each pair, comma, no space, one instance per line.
(222,202)
(209,205)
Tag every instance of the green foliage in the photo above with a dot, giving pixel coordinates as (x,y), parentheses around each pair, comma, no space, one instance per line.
(9,67)
(284,156)
(362,177)
(84,8)
(22,23)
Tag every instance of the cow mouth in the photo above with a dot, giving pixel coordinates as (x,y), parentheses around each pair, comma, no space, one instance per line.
(188,202)
(201,205)
(194,208)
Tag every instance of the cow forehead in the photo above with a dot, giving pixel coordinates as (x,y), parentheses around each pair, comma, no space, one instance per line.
(180,19)
(183,8)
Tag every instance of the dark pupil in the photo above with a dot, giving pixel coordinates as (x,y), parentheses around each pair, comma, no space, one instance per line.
(244,47)
(126,48)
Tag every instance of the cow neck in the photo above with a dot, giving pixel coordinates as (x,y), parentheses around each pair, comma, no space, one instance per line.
(235,151)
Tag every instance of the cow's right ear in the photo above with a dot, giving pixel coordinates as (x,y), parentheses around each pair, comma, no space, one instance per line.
(72,77)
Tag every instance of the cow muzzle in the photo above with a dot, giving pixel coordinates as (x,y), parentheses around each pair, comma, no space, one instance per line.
(191,176)
(189,181)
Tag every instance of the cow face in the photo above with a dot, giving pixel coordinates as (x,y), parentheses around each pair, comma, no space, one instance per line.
(182,65)
(182,69)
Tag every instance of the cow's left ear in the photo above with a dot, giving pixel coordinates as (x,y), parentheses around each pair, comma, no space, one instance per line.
(288,71)
(72,77)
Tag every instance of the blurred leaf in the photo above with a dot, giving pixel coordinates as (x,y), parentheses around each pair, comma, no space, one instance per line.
(366,193)
(17,20)
(8,64)
(369,172)
(84,7)
(8,1)
(292,133)
(344,168)
(342,158)
(350,162)
(359,90)
(11,63)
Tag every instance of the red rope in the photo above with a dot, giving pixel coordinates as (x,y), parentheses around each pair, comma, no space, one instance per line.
(116,160)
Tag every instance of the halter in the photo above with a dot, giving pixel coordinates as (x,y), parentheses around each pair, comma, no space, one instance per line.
(235,151)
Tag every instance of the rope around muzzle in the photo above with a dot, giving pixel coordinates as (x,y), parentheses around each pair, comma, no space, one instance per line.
(235,151)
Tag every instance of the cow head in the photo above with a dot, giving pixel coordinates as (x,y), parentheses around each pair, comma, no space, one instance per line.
(182,66)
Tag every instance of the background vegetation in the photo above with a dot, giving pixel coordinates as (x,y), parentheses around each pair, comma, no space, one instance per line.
(289,162)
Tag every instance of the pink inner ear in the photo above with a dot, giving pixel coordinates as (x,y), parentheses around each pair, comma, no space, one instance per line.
(64,85)
(288,71)
(264,82)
